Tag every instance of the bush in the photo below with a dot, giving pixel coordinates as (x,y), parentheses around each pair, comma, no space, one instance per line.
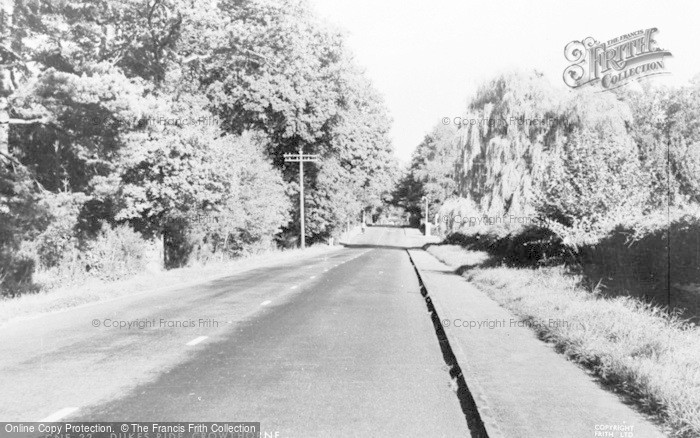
(57,236)
(22,216)
(630,258)
(647,257)
(528,246)
(116,253)
(16,275)
(591,178)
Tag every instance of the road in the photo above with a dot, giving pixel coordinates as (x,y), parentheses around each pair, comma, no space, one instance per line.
(339,344)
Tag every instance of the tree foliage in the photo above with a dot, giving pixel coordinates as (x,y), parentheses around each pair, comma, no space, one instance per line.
(172,117)
(431,173)
(584,162)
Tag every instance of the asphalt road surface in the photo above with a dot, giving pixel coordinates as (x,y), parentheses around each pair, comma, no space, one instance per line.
(339,344)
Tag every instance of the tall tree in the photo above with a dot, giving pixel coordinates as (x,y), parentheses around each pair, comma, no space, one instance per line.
(431,173)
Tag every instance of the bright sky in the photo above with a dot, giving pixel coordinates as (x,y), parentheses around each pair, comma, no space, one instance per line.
(427,56)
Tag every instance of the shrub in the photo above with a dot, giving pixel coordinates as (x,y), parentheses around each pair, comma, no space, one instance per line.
(113,254)
(16,273)
(527,246)
(116,253)
(590,178)
(646,257)
(642,258)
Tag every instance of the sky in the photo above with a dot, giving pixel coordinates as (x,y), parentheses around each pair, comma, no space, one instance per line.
(427,57)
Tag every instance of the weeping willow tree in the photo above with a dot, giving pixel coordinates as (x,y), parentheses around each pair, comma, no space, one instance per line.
(501,160)
(528,148)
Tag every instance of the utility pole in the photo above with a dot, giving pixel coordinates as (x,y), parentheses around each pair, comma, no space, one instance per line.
(300,158)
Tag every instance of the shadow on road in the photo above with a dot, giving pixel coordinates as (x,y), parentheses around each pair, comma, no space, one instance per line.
(399,237)
(368,245)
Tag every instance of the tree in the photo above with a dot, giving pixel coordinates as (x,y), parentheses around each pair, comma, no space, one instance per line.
(255,205)
(591,178)
(160,113)
(667,134)
(431,174)
(501,158)
(274,68)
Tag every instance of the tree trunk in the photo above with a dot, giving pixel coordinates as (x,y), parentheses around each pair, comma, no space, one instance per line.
(6,85)
(164,250)
(4,128)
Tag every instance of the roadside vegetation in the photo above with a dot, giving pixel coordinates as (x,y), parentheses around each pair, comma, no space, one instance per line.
(606,183)
(67,295)
(154,133)
(584,207)
(638,349)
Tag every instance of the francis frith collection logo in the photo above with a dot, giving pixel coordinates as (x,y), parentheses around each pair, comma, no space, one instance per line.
(616,62)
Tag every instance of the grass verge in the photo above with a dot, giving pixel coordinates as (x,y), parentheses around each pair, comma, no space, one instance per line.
(635,348)
(95,290)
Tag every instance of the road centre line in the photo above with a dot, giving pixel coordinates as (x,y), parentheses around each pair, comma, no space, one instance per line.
(196,341)
(59,414)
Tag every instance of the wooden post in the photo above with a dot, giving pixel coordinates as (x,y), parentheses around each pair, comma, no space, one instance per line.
(301,199)
(300,157)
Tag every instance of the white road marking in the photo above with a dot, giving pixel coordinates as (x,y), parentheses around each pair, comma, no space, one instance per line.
(312,277)
(294,287)
(196,341)
(265,303)
(59,414)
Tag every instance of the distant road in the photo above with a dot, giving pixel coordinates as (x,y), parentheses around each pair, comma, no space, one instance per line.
(334,345)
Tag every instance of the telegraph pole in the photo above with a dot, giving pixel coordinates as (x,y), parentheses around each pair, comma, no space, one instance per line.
(301,158)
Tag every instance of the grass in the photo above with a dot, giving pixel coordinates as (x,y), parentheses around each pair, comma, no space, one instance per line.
(60,298)
(636,348)
(687,297)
